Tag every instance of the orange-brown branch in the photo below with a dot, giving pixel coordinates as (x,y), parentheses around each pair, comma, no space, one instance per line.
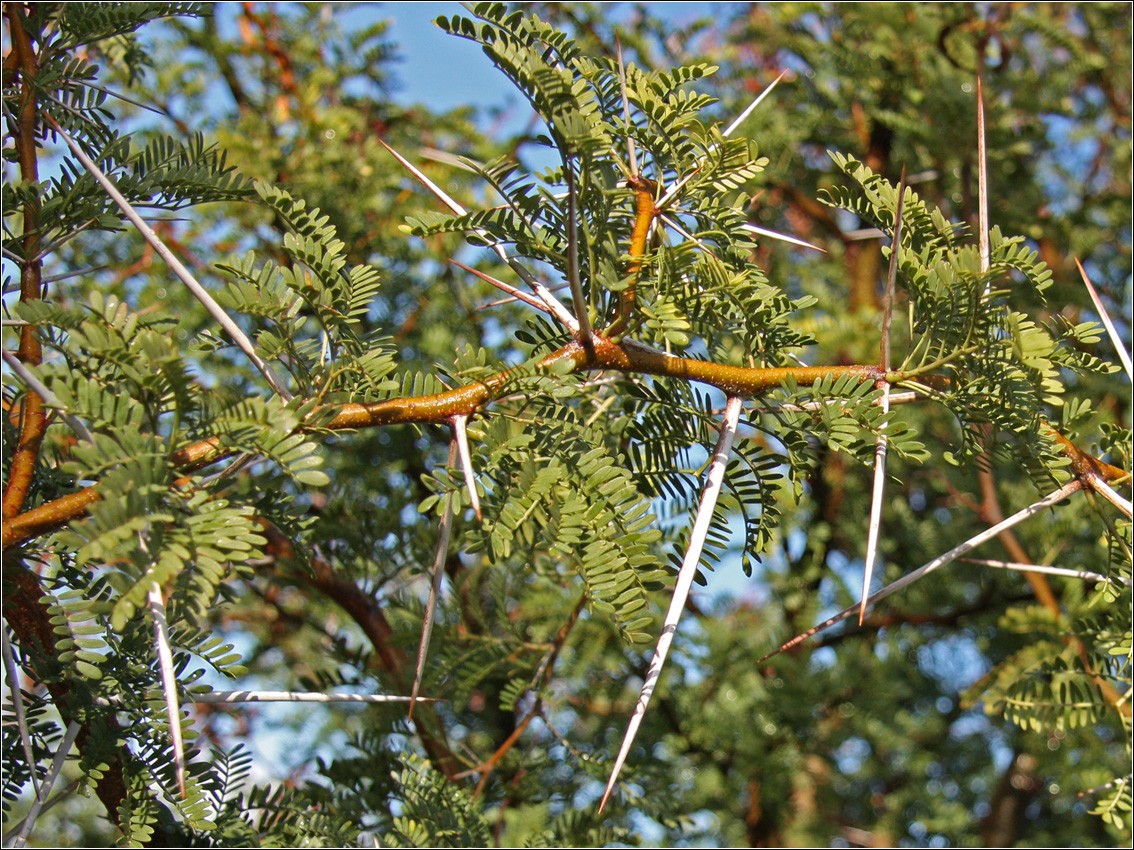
(1087,466)
(627,357)
(644,190)
(33,419)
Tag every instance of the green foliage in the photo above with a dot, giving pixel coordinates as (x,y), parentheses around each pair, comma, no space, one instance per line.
(434,812)
(294,554)
(330,359)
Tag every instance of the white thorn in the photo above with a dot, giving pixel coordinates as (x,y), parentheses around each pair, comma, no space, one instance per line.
(982,186)
(49,398)
(168,683)
(633,155)
(748,111)
(713,483)
(226,697)
(460,431)
(18,704)
(876,502)
(176,266)
(1043,568)
(56,766)
(881,445)
(940,561)
(672,193)
(1123,355)
(771,234)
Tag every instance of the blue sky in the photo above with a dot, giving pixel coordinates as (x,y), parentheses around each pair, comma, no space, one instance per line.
(445,71)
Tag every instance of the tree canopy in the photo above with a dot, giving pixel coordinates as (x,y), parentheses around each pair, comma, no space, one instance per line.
(273,432)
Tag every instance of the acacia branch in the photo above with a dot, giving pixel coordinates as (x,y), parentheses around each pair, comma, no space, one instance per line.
(629,357)
(29,619)
(643,221)
(33,419)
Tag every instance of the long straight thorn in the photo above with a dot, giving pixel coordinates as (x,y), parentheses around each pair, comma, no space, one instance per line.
(434,587)
(168,683)
(940,561)
(1043,568)
(630,150)
(441,194)
(782,237)
(1123,354)
(982,186)
(713,483)
(230,697)
(892,275)
(881,446)
(748,111)
(578,299)
(673,224)
(668,197)
(175,265)
(13,675)
(505,287)
(49,398)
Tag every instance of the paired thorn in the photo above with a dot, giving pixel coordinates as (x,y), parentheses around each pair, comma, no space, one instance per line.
(554,305)
(434,587)
(940,561)
(1099,485)
(881,446)
(1123,354)
(577,298)
(175,265)
(713,483)
(168,683)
